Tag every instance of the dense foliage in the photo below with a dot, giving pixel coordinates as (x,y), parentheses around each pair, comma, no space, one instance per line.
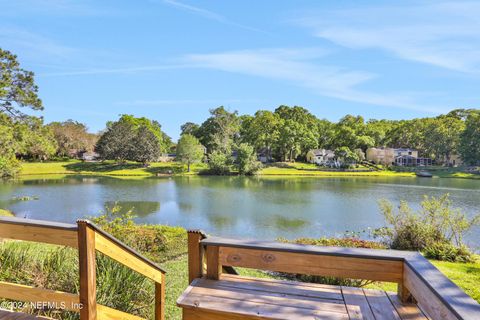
(134,139)
(436,229)
(470,139)
(288,133)
(72,137)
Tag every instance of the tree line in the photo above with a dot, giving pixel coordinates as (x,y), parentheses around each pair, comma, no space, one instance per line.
(225,139)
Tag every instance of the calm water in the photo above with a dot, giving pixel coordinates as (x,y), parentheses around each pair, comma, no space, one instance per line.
(264,208)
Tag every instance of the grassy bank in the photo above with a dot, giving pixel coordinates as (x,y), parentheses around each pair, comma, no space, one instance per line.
(118,287)
(109,168)
(6,213)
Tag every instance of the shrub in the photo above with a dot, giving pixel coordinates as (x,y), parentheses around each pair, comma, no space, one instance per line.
(219,163)
(247,162)
(158,243)
(9,167)
(436,228)
(448,252)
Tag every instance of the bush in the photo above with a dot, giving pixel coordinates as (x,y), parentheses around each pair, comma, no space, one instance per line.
(448,252)
(156,242)
(436,228)
(247,162)
(9,167)
(219,163)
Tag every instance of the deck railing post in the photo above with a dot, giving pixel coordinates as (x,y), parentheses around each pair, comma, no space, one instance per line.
(87,263)
(160,299)
(195,255)
(214,268)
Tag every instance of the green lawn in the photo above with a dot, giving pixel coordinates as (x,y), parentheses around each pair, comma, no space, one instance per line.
(131,169)
(108,168)
(6,213)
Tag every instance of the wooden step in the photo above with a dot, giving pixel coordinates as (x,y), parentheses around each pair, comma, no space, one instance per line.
(236,297)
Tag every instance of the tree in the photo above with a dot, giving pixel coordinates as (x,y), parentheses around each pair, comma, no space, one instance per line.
(134,139)
(297,131)
(261,131)
(17,86)
(247,162)
(346,155)
(190,128)
(189,150)
(72,137)
(470,140)
(34,139)
(442,137)
(219,130)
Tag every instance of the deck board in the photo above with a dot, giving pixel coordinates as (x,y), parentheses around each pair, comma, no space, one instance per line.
(357,304)
(9,315)
(237,297)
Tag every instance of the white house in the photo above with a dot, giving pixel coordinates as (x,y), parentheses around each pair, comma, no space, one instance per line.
(321,157)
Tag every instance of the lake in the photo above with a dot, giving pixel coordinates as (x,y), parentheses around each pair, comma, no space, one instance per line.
(263,208)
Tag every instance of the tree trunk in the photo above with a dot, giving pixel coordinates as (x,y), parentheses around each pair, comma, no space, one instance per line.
(188,166)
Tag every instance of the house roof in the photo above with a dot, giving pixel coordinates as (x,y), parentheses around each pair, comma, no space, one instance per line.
(322,152)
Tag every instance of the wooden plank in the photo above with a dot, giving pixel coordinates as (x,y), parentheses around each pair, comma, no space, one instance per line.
(62,300)
(233,309)
(214,288)
(111,249)
(407,311)
(357,304)
(426,298)
(214,267)
(356,268)
(195,256)
(87,265)
(10,315)
(160,299)
(107,313)
(376,254)
(190,314)
(380,305)
(63,237)
(435,292)
(282,287)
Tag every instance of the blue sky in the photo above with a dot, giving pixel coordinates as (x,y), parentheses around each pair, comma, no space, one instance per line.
(173,60)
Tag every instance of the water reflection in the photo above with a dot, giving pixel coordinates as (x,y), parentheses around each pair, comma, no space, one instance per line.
(237,206)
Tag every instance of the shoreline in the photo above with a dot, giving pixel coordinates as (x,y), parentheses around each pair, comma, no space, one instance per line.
(173,169)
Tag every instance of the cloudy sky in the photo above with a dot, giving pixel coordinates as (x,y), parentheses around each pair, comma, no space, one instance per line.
(173,60)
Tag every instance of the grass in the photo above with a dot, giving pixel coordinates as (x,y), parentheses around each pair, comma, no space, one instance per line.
(107,168)
(292,171)
(131,169)
(6,213)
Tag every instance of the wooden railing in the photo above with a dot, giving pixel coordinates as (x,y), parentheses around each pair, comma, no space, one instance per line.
(417,278)
(88,238)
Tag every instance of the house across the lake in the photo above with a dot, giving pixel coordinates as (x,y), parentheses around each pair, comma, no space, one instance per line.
(321,156)
(397,156)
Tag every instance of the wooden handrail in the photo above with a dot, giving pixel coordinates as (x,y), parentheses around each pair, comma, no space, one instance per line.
(415,275)
(110,246)
(88,238)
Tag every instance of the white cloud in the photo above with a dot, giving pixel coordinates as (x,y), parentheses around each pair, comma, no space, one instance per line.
(121,70)
(302,68)
(32,45)
(208,14)
(445,34)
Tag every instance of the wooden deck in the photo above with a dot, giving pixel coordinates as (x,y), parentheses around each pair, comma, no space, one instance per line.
(9,315)
(235,297)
